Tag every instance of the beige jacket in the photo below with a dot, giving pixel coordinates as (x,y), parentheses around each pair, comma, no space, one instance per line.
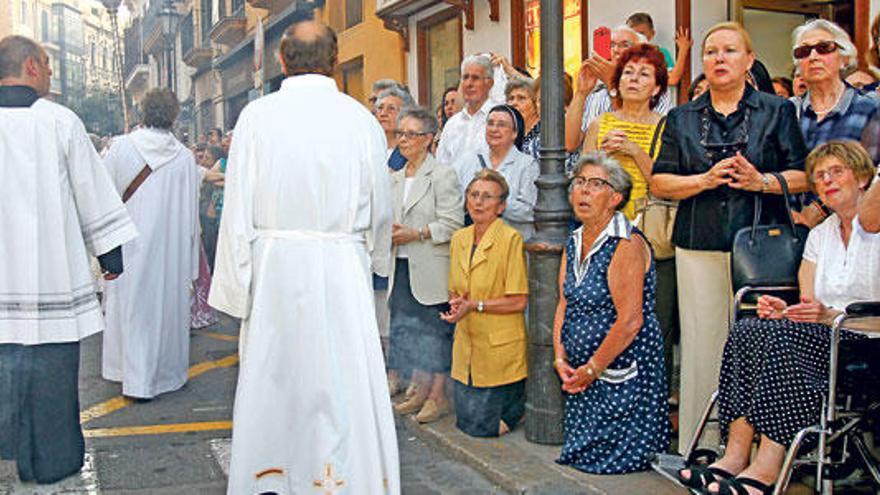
(435,201)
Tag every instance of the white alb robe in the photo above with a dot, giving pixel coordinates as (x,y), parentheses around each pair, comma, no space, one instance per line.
(307,202)
(58,206)
(146,343)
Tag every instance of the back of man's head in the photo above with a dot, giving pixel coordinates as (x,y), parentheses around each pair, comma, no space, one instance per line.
(14,51)
(308,47)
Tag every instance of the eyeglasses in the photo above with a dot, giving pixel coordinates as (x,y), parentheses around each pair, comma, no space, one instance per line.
(500,124)
(409,134)
(822,48)
(591,184)
(834,172)
(387,108)
(474,196)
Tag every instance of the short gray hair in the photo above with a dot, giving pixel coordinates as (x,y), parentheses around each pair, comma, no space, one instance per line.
(14,50)
(396,91)
(618,177)
(847,48)
(426,118)
(480,59)
(623,27)
(517,82)
(383,84)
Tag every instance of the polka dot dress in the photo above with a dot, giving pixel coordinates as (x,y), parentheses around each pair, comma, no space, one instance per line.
(617,424)
(775,374)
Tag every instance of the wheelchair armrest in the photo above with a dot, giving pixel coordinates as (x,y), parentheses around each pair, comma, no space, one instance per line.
(861,309)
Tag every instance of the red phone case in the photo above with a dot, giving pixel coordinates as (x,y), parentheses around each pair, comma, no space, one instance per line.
(602,42)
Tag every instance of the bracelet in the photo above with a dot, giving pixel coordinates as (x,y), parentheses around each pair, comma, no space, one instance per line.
(559,361)
(421,235)
(590,370)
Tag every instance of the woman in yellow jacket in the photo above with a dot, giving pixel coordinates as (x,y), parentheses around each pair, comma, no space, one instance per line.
(488,291)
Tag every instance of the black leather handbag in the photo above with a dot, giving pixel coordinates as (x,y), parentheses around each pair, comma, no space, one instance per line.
(768,255)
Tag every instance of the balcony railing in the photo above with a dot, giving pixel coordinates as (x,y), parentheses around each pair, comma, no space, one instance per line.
(197,55)
(230,29)
(135,58)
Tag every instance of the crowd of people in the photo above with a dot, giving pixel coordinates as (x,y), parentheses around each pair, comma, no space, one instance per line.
(438,204)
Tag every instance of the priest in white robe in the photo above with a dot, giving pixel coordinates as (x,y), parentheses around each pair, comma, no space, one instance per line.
(307,204)
(146,343)
(59,207)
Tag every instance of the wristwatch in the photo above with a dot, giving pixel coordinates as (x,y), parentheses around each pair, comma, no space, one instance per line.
(765,182)
(480,307)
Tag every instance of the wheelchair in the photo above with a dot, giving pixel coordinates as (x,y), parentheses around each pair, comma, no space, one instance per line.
(840,441)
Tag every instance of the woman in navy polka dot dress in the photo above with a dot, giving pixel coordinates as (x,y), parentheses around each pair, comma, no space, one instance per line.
(609,350)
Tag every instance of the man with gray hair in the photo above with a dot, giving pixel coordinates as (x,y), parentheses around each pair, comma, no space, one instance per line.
(593,94)
(59,207)
(307,209)
(464,135)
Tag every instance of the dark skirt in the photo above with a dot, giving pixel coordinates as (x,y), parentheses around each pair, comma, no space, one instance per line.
(418,338)
(39,410)
(774,373)
(479,410)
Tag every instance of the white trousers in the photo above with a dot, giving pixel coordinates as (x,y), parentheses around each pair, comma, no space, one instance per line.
(705,306)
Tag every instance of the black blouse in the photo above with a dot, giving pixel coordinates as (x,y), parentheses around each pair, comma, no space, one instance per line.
(764,128)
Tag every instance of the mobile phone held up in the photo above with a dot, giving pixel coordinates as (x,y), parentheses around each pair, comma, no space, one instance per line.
(602,42)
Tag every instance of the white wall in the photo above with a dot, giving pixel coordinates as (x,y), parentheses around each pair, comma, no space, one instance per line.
(488,36)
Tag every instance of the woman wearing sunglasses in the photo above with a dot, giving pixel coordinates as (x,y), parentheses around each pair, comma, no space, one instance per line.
(717,154)
(831,109)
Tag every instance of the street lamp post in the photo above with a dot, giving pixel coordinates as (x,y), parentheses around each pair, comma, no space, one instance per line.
(169,17)
(112,7)
(552,214)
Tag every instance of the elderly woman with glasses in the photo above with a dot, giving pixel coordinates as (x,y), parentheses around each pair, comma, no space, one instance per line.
(775,366)
(716,155)
(606,337)
(389,103)
(488,292)
(427,208)
(831,108)
(505,128)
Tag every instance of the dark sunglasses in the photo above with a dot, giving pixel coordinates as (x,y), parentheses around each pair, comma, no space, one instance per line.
(822,48)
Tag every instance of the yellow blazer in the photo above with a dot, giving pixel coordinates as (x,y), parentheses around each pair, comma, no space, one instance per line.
(489,348)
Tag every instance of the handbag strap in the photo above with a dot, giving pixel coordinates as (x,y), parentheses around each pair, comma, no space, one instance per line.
(785,196)
(136,183)
(482,161)
(657,132)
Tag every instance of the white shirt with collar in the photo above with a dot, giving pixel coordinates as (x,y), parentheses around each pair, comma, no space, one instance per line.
(619,226)
(464,135)
(844,273)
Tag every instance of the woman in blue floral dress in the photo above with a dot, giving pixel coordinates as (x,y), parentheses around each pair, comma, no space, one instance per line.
(609,350)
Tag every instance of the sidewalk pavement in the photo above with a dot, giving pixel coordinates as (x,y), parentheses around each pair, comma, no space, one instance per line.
(521,467)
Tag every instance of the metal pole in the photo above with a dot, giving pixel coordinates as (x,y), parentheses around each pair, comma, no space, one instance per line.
(552,212)
(120,78)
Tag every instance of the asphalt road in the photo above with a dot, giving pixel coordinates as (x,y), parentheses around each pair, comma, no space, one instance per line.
(178,443)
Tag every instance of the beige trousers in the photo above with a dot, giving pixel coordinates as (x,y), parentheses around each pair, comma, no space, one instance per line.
(705,306)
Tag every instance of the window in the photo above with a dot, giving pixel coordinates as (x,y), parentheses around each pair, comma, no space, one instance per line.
(573,40)
(92,59)
(44,25)
(354,12)
(24,12)
(104,58)
(352,75)
(439,55)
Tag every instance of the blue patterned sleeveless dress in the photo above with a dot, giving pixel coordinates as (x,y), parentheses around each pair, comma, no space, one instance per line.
(621,420)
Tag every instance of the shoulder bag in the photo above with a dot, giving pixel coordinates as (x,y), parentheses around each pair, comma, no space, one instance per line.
(768,255)
(656,219)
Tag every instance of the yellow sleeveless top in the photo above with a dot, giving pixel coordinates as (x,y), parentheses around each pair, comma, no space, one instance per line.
(641,135)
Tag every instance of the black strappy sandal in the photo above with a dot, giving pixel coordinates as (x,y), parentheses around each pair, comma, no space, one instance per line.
(702,476)
(737,486)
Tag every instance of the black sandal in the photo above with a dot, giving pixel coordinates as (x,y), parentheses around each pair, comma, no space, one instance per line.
(737,486)
(702,476)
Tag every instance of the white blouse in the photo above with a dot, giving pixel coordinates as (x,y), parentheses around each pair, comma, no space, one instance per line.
(844,274)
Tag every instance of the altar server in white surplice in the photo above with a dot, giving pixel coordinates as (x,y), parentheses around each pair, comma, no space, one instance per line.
(307,205)
(146,343)
(59,206)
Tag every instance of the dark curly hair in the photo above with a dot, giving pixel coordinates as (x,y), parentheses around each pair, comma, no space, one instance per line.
(644,52)
(160,108)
